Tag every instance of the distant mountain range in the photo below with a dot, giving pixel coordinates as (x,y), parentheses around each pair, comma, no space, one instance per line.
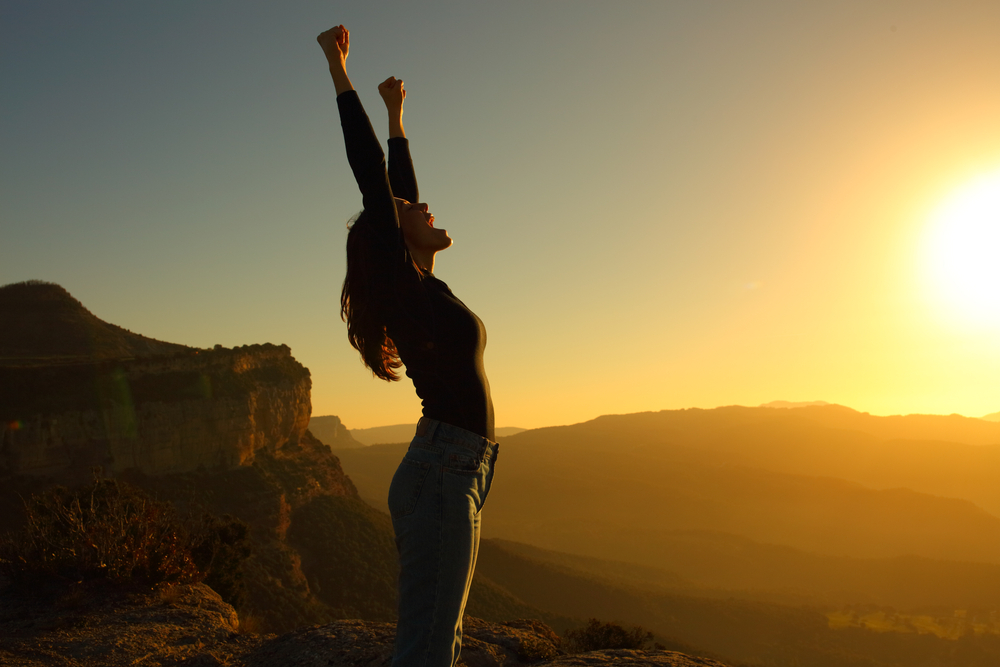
(820,503)
(792,404)
(385,434)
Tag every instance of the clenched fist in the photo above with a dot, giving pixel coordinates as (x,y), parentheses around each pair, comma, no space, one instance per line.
(336,43)
(392,93)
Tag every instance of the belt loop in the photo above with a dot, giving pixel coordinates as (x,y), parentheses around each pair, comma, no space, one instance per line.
(427,426)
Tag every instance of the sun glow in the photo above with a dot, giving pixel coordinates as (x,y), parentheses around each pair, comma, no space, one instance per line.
(963,249)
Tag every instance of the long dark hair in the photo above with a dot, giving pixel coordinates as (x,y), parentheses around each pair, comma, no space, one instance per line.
(362,301)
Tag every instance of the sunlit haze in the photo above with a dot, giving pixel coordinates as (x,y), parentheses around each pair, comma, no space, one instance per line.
(654,204)
(964,252)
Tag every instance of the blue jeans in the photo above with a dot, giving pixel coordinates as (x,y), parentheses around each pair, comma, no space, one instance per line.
(435,499)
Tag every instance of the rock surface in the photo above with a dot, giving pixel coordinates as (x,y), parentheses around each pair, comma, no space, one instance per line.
(366,644)
(192,626)
(512,644)
(633,658)
(90,627)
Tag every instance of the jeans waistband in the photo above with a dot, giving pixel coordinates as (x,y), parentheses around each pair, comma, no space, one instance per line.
(434,428)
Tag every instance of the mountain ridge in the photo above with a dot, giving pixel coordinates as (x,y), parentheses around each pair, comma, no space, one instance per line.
(44,323)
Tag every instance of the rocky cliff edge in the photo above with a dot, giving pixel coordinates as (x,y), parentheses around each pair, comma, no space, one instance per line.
(192,626)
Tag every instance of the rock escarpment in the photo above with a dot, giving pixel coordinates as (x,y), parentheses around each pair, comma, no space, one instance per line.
(78,393)
(203,409)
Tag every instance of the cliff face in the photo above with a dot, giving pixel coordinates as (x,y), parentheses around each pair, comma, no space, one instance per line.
(77,392)
(202,409)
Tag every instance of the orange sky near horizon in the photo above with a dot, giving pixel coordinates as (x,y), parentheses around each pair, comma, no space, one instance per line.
(655,205)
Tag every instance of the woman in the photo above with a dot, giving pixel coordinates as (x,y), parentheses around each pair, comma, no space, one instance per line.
(398,313)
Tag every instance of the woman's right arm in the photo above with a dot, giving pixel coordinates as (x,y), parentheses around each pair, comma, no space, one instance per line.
(364,153)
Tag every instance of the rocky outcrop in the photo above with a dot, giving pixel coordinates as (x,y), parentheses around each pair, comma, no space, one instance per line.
(94,626)
(191,626)
(202,409)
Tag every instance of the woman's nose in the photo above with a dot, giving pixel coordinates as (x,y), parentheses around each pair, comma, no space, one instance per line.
(422,207)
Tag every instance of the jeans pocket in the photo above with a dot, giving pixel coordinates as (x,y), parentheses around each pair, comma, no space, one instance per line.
(407,483)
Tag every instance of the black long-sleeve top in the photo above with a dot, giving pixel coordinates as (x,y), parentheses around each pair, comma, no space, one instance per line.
(439,340)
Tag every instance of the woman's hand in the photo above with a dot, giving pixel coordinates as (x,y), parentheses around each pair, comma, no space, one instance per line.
(336,43)
(392,93)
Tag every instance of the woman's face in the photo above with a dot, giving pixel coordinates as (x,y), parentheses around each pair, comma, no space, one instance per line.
(418,227)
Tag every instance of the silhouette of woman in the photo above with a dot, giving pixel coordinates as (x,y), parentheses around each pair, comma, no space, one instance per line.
(398,313)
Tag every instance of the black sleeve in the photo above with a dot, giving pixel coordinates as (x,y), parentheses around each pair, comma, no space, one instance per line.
(367,160)
(401,176)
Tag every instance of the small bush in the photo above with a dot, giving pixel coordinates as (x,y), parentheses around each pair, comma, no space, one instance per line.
(108,530)
(251,624)
(596,636)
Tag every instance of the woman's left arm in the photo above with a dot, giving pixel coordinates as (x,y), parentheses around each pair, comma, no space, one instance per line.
(393,94)
(402,179)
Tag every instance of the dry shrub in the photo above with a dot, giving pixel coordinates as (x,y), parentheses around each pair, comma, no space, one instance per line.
(251,624)
(171,593)
(108,530)
(596,636)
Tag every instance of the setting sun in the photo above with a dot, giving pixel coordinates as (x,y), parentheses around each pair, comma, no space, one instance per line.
(963,249)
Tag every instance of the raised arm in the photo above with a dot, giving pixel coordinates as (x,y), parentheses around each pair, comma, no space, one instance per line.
(336,44)
(364,153)
(401,175)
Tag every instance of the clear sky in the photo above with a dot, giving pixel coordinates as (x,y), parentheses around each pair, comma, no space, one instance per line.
(654,204)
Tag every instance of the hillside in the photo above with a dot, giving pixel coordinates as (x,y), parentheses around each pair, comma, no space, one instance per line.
(949,457)
(716,565)
(43,323)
